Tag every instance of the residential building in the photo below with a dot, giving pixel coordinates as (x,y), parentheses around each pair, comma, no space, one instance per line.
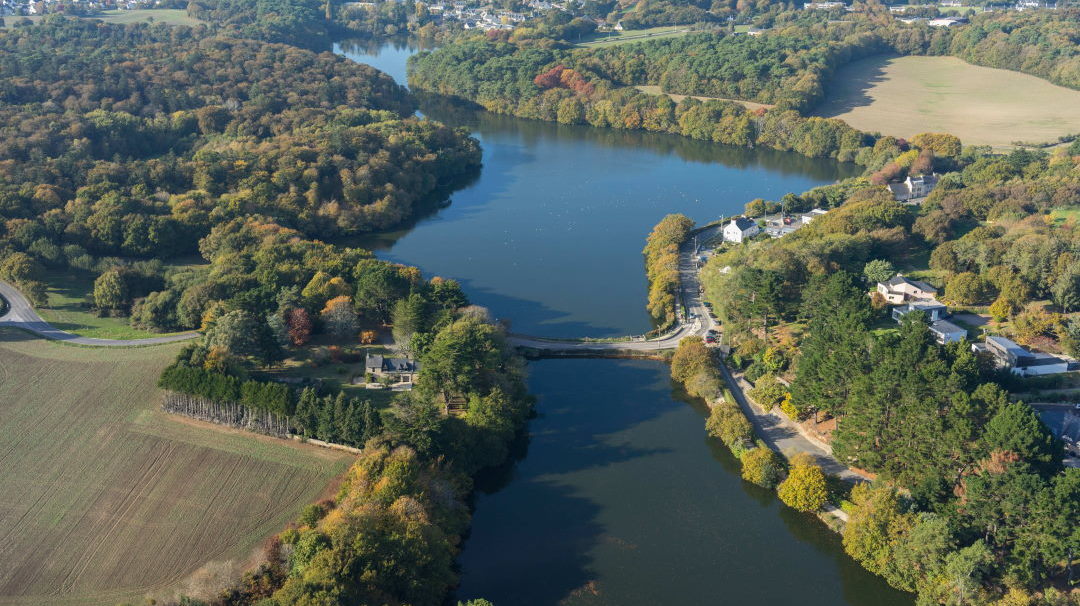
(933,310)
(810,216)
(811,6)
(947,332)
(914,188)
(1019,361)
(899,289)
(740,229)
(404,370)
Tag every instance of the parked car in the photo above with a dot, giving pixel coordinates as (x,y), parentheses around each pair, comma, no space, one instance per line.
(710,338)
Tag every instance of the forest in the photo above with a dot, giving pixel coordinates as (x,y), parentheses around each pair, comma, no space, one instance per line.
(128,150)
(117,160)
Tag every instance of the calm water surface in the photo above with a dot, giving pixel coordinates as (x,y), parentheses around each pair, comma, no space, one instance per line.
(618,497)
(550,234)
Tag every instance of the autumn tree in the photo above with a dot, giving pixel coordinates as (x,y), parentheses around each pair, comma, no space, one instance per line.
(340,318)
(805,488)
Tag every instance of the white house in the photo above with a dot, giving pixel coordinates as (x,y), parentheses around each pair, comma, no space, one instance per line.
(947,332)
(899,289)
(933,310)
(740,229)
(913,187)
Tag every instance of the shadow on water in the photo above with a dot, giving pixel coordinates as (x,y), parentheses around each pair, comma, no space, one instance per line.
(533,532)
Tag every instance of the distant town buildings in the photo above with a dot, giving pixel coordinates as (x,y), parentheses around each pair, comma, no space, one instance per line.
(821,6)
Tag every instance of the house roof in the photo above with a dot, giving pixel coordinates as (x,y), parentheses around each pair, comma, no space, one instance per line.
(945,328)
(391,364)
(742,223)
(1041,359)
(1008,345)
(897,280)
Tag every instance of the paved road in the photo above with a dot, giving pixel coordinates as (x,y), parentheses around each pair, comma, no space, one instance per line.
(690,296)
(781,434)
(21,314)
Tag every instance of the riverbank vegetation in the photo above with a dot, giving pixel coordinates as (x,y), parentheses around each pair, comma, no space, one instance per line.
(662,268)
(173,150)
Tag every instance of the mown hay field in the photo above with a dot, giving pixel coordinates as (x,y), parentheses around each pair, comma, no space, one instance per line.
(904,96)
(107,499)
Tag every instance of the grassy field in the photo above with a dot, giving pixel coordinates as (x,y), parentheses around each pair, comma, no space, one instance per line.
(172,16)
(655,90)
(107,499)
(909,95)
(67,309)
(634,35)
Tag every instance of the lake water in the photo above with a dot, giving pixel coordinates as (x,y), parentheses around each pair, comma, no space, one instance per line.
(550,235)
(618,498)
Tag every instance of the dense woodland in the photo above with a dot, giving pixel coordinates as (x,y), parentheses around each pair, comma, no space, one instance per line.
(126,147)
(162,142)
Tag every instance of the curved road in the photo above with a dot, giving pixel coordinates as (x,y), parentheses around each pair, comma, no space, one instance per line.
(689,296)
(20,314)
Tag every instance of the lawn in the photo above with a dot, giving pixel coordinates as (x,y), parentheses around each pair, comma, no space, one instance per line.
(68,310)
(904,96)
(107,499)
(655,90)
(1067,214)
(602,39)
(172,16)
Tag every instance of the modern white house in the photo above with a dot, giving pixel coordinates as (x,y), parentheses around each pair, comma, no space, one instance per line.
(740,229)
(1019,361)
(934,310)
(947,332)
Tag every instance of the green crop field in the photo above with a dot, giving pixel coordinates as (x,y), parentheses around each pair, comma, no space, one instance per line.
(107,499)
(908,95)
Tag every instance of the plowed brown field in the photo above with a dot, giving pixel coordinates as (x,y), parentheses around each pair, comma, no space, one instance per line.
(104,498)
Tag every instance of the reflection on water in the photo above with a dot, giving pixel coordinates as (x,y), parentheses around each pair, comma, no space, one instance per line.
(622,500)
